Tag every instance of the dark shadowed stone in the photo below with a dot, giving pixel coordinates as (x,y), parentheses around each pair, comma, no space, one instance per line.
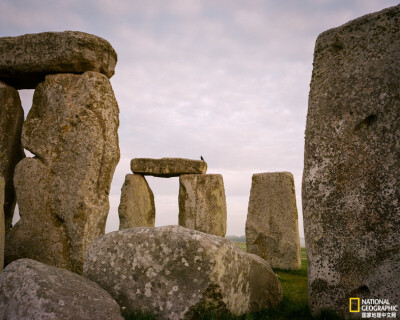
(167,167)
(175,272)
(272,230)
(136,208)
(11,152)
(30,290)
(202,203)
(25,60)
(2,231)
(351,194)
(63,191)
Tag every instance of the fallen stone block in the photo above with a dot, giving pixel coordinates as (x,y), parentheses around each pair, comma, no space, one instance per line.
(26,60)
(30,290)
(174,272)
(167,167)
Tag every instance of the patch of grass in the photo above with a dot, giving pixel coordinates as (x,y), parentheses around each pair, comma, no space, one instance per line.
(241,245)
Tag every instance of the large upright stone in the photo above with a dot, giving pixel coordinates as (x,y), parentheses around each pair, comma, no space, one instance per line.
(351,194)
(11,152)
(136,208)
(167,167)
(25,60)
(179,273)
(63,191)
(2,230)
(202,203)
(272,230)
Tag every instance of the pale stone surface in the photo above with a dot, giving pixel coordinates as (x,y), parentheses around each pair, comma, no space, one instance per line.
(174,272)
(167,167)
(351,175)
(2,230)
(25,60)
(63,191)
(272,230)
(30,290)
(136,208)
(11,152)
(202,203)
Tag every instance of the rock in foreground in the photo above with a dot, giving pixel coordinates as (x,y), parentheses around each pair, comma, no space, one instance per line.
(30,290)
(26,60)
(174,272)
(167,167)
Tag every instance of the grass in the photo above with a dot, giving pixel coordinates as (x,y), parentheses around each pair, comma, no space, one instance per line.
(294,305)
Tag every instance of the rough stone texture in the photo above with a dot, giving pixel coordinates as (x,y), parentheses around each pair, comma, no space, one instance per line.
(202,203)
(30,290)
(351,194)
(272,230)
(136,208)
(167,167)
(2,230)
(11,151)
(174,272)
(25,60)
(63,191)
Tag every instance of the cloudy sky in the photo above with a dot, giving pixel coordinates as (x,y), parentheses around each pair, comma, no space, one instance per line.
(226,79)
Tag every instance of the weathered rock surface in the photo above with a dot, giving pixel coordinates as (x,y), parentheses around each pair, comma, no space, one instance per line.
(174,272)
(167,167)
(63,191)
(136,208)
(202,203)
(11,152)
(272,230)
(25,60)
(2,229)
(351,194)
(30,290)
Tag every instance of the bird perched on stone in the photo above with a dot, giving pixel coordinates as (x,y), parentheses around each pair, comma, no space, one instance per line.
(201,157)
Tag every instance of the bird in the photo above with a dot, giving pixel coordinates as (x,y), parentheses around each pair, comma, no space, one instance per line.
(201,157)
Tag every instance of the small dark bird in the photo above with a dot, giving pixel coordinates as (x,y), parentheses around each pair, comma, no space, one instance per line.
(201,157)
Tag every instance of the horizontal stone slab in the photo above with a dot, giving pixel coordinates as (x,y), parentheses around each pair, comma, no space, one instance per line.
(25,60)
(167,167)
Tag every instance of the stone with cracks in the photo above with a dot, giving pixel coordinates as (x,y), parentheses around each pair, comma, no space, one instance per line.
(11,151)
(2,230)
(351,194)
(202,203)
(63,191)
(136,208)
(26,60)
(272,230)
(30,290)
(176,273)
(167,167)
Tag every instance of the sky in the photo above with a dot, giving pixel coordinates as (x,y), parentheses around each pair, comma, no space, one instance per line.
(225,79)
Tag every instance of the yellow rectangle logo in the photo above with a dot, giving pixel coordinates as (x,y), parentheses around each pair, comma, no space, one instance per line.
(354,305)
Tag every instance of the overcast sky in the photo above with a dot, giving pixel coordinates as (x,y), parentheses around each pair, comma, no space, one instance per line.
(226,79)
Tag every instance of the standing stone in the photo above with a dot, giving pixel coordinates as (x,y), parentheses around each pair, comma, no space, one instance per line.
(136,208)
(63,191)
(2,230)
(11,151)
(26,60)
(351,194)
(202,203)
(272,230)
(179,273)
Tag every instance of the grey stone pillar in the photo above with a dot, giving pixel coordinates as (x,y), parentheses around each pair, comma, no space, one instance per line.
(2,230)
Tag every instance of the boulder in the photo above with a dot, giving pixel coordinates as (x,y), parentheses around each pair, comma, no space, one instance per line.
(136,208)
(2,229)
(167,167)
(176,273)
(202,203)
(11,151)
(63,191)
(351,191)
(26,60)
(30,290)
(272,230)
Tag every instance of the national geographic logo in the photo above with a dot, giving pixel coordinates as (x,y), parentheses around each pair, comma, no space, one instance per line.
(373,308)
